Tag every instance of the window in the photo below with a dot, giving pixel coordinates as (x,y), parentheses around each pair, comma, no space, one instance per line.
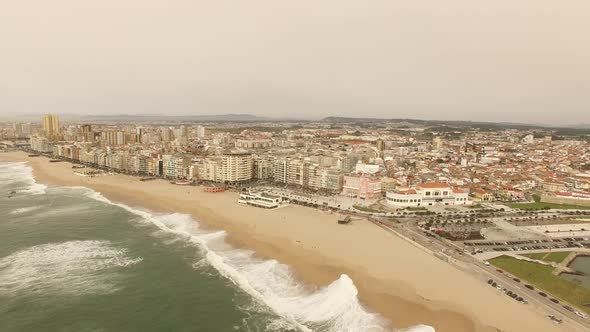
(428,193)
(445,193)
(437,193)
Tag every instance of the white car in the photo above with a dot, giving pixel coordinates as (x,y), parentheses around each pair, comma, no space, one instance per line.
(486,263)
(581,314)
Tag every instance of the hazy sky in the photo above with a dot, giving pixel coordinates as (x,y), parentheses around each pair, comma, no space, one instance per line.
(501,60)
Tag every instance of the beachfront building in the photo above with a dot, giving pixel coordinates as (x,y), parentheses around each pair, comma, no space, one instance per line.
(175,166)
(280,170)
(261,199)
(428,194)
(324,178)
(237,167)
(296,172)
(209,169)
(263,168)
(41,144)
(362,186)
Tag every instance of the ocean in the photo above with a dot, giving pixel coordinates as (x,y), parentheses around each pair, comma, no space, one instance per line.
(71,260)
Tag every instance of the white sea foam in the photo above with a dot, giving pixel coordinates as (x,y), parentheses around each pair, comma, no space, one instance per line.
(25,209)
(74,267)
(11,173)
(419,328)
(334,308)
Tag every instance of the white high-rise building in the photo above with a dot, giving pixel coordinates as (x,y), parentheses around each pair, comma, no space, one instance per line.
(237,167)
(200,131)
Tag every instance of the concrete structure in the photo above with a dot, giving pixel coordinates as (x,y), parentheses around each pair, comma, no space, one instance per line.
(200,131)
(253,143)
(427,194)
(260,199)
(571,198)
(41,144)
(263,168)
(362,186)
(437,143)
(214,189)
(237,167)
(50,125)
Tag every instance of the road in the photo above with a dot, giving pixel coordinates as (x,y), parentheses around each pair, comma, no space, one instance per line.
(474,267)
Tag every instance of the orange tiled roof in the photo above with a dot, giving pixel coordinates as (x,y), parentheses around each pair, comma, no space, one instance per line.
(433,185)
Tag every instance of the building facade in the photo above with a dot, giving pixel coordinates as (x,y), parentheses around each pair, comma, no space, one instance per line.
(428,194)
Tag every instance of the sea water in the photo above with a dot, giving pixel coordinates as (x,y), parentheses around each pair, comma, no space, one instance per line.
(71,260)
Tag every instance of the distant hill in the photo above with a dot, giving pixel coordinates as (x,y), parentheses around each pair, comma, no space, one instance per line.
(579,129)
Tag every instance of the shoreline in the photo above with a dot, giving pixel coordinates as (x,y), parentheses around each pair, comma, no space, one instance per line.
(391,275)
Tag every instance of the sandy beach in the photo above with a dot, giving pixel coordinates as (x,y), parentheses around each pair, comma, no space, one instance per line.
(394,278)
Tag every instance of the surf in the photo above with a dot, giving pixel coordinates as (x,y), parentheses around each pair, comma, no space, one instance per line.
(72,267)
(15,173)
(333,308)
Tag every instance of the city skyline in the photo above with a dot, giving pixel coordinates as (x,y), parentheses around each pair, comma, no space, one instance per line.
(326,166)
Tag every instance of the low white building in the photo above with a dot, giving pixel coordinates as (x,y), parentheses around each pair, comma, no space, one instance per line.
(428,194)
(261,199)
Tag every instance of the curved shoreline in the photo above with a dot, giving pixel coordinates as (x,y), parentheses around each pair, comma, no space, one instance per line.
(392,276)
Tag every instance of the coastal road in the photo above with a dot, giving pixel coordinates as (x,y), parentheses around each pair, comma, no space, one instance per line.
(471,265)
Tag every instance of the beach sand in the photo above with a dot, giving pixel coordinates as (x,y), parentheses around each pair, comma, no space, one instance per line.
(395,279)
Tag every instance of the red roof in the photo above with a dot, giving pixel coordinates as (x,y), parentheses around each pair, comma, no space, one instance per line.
(406,192)
(434,185)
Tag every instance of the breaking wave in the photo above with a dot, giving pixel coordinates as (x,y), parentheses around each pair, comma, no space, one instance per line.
(25,209)
(74,268)
(21,175)
(334,308)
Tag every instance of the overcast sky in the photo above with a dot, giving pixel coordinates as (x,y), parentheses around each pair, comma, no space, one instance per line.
(502,60)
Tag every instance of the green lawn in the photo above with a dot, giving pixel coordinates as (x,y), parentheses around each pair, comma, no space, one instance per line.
(546,206)
(556,257)
(542,278)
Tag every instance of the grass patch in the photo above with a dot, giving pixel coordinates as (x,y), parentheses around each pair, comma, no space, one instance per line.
(556,257)
(365,209)
(541,277)
(546,206)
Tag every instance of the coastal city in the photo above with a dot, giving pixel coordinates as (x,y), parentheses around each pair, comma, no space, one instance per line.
(295,166)
(509,204)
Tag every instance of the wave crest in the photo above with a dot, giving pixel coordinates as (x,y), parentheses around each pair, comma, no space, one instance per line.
(19,172)
(334,308)
(74,267)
